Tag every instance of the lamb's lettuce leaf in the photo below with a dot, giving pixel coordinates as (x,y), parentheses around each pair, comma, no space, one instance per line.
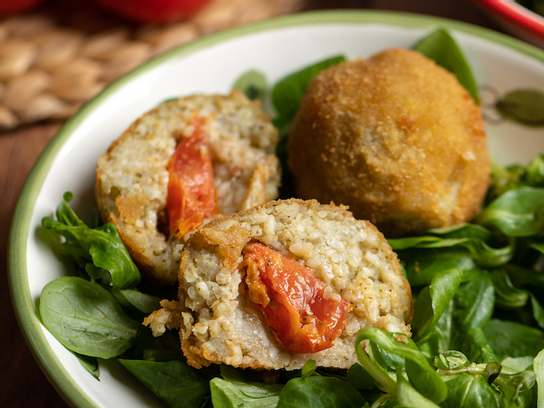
(319,391)
(420,373)
(467,240)
(441,47)
(253,84)
(523,106)
(235,390)
(512,339)
(516,213)
(506,294)
(539,372)
(433,300)
(97,251)
(288,92)
(86,318)
(174,382)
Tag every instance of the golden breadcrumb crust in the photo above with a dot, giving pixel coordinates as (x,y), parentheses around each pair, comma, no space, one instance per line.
(396,138)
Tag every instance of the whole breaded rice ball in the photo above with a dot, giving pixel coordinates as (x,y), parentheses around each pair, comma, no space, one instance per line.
(396,138)
(279,284)
(180,165)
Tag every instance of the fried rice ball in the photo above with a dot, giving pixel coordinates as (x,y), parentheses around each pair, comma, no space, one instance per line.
(396,138)
(132,176)
(219,320)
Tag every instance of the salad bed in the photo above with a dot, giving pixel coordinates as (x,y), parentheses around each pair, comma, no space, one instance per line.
(477,328)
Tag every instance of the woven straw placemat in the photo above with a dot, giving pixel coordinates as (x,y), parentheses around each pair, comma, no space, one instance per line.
(56,58)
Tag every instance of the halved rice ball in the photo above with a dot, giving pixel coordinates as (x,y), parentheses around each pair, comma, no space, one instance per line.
(356,282)
(132,178)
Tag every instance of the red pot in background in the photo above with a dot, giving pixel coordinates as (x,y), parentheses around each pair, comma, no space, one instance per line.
(16,6)
(152,11)
(516,19)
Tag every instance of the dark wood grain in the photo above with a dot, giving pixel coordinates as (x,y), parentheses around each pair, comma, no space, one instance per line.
(23,384)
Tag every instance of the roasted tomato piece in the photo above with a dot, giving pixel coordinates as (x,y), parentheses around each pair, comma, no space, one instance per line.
(305,314)
(191,193)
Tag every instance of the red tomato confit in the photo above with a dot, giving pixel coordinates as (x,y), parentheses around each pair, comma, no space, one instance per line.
(153,11)
(191,193)
(305,314)
(16,6)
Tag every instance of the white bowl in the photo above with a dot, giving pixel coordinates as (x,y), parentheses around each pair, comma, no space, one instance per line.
(516,19)
(275,47)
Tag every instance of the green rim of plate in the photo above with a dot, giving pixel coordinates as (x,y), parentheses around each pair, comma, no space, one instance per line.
(20,229)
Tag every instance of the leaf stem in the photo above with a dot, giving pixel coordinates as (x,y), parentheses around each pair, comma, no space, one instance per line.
(383,398)
(384,382)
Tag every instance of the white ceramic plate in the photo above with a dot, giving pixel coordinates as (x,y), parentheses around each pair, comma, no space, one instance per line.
(212,64)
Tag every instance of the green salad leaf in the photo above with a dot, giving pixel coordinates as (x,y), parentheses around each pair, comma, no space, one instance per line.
(90,364)
(287,93)
(512,339)
(253,84)
(469,391)
(441,47)
(516,213)
(517,388)
(174,382)
(420,373)
(473,241)
(409,397)
(234,390)
(140,301)
(228,394)
(286,96)
(539,372)
(422,265)
(433,300)
(474,303)
(95,250)
(524,106)
(506,294)
(360,378)
(515,176)
(538,311)
(85,318)
(318,391)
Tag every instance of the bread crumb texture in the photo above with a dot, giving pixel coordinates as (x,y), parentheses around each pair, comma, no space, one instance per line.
(220,324)
(132,176)
(396,138)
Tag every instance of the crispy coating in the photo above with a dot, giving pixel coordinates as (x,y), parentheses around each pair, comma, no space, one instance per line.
(394,137)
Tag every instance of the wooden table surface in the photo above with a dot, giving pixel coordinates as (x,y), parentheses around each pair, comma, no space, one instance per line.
(21,380)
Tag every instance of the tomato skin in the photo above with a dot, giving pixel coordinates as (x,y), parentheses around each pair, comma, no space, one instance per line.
(17,6)
(301,310)
(153,11)
(191,193)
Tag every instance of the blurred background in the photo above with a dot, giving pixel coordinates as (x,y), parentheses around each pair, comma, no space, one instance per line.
(57,54)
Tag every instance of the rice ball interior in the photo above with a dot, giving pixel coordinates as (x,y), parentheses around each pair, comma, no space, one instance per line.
(132,176)
(220,323)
